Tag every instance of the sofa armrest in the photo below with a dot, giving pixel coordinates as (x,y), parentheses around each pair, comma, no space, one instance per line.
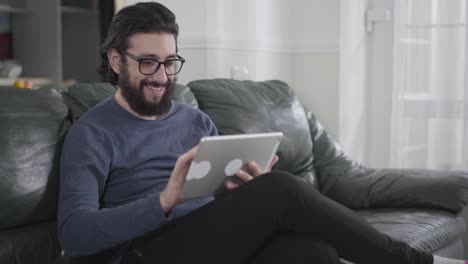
(403,188)
(359,187)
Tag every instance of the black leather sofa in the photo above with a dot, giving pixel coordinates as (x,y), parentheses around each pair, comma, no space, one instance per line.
(418,206)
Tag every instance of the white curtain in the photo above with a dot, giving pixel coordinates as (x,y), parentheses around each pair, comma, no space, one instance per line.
(430,85)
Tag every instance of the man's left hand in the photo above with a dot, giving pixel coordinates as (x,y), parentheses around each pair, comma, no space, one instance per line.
(244,176)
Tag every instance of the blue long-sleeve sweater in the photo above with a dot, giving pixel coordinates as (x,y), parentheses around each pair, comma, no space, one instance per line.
(113,167)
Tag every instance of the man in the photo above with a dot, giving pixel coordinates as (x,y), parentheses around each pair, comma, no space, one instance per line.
(124,164)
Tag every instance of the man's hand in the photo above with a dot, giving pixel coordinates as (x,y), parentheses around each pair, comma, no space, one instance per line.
(170,196)
(245,177)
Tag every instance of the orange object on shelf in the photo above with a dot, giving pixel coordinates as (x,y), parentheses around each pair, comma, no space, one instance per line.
(19,84)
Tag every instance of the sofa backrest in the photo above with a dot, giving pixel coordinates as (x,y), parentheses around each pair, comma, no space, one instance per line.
(32,127)
(235,107)
(238,107)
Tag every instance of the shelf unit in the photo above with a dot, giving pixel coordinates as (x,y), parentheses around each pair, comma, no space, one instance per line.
(36,81)
(55,39)
(11,9)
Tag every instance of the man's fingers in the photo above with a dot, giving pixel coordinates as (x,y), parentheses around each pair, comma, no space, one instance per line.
(189,155)
(184,160)
(183,164)
(254,168)
(273,162)
(244,176)
(231,185)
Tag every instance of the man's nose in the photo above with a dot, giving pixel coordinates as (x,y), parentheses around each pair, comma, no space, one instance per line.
(160,75)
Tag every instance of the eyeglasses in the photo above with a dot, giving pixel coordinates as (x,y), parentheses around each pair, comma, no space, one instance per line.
(149,66)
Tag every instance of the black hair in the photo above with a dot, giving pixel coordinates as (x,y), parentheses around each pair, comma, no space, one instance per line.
(147,17)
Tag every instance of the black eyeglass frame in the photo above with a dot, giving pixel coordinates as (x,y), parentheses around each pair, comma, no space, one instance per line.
(141,59)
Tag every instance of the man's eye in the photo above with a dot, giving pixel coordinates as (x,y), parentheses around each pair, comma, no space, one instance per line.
(170,63)
(148,62)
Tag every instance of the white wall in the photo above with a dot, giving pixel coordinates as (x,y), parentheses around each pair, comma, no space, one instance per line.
(292,40)
(353,106)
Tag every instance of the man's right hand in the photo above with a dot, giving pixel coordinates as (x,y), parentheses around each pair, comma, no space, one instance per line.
(170,196)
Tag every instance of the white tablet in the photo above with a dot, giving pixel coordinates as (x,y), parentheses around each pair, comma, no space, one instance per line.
(222,156)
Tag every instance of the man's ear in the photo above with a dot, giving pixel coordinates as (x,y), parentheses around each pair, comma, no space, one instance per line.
(114,60)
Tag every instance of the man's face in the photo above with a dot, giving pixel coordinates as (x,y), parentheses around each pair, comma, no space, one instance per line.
(148,95)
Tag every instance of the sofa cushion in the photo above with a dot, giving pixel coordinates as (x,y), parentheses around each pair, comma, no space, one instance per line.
(183,94)
(30,244)
(33,125)
(253,107)
(81,97)
(424,229)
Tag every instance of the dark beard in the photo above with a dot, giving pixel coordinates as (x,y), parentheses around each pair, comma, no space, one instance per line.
(136,99)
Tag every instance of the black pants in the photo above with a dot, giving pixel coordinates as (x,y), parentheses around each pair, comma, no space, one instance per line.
(275,218)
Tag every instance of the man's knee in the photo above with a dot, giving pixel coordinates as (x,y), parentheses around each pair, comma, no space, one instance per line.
(276,193)
(284,182)
(281,178)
